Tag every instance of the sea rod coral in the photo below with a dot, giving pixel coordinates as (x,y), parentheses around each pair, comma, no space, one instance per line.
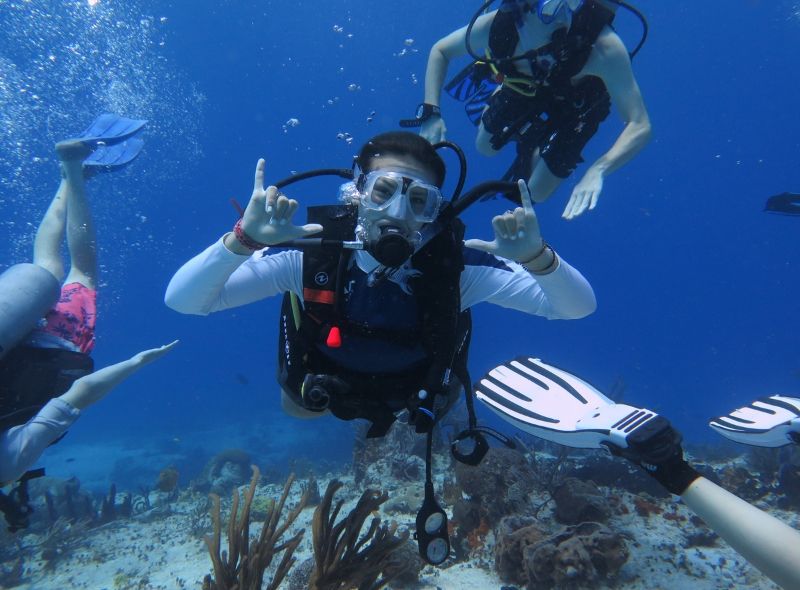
(242,566)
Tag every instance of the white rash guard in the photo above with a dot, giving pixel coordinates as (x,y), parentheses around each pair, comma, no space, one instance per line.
(217,279)
(21,446)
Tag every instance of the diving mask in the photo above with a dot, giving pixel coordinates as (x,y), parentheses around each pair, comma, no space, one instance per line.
(399,195)
(548,10)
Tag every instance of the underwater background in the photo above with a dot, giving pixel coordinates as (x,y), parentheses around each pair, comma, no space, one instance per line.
(697,286)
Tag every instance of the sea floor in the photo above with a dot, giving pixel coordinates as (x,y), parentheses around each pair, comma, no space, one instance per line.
(161,546)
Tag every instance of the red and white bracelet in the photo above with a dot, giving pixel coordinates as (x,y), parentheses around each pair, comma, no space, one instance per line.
(246,240)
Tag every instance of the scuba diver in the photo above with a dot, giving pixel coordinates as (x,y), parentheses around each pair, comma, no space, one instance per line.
(551,403)
(545,75)
(378,327)
(47,329)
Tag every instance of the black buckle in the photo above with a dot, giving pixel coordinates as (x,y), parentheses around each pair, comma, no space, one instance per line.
(481,446)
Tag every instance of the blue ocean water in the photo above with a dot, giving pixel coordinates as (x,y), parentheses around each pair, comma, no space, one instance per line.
(697,286)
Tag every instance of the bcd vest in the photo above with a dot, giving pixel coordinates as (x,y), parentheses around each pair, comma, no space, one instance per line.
(305,330)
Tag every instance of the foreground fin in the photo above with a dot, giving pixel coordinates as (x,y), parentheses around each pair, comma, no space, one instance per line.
(551,403)
(772,421)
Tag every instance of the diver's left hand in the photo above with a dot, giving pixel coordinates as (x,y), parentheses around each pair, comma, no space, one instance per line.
(516,233)
(585,194)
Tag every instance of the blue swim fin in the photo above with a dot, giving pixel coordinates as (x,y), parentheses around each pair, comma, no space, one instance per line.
(106,158)
(109,129)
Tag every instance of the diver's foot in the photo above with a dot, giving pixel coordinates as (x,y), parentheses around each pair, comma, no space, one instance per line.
(72,150)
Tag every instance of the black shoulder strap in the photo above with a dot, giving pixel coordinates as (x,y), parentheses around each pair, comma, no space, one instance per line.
(321,265)
(503,35)
(587,24)
(439,292)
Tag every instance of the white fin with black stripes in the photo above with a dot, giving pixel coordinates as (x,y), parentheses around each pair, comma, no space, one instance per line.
(553,404)
(772,421)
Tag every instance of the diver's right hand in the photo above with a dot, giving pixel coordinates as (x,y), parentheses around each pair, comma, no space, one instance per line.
(434,129)
(268,216)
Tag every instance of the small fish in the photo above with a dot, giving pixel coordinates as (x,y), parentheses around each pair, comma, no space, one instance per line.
(242,379)
(70,460)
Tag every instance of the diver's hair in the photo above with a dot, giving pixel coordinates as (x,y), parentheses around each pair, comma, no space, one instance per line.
(403,144)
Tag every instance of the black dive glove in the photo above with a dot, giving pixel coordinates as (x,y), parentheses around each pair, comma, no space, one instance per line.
(656,448)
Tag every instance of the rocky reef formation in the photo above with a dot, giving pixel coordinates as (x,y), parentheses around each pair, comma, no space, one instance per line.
(578,556)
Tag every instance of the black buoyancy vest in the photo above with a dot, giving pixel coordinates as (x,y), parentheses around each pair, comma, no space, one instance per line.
(570,48)
(442,328)
(30,377)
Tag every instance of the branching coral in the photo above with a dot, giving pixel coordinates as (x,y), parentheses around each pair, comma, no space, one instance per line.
(344,557)
(242,566)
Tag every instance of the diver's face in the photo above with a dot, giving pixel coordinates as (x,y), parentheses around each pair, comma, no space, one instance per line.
(403,212)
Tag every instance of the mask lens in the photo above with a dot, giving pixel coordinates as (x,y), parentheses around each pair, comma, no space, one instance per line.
(549,8)
(381,189)
(418,199)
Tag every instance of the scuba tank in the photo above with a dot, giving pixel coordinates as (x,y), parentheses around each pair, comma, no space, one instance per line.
(27,293)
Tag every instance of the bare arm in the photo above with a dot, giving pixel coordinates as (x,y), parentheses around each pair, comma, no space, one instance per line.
(442,53)
(611,63)
(92,388)
(769,544)
(614,68)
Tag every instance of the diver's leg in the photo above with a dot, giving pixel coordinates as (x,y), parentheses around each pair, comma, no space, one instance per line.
(81,238)
(483,142)
(47,244)
(542,182)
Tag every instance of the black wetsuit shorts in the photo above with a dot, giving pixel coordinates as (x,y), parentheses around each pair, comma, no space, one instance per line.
(558,127)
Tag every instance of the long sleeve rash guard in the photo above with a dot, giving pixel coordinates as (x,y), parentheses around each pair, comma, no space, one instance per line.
(217,279)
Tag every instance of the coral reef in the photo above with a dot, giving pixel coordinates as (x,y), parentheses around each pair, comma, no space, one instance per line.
(346,558)
(167,480)
(583,554)
(225,471)
(789,486)
(312,486)
(580,501)
(375,459)
(55,498)
(514,535)
(748,485)
(578,556)
(610,472)
(497,487)
(242,566)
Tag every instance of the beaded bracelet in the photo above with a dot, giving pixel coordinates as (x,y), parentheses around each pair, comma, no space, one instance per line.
(549,268)
(545,246)
(246,240)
